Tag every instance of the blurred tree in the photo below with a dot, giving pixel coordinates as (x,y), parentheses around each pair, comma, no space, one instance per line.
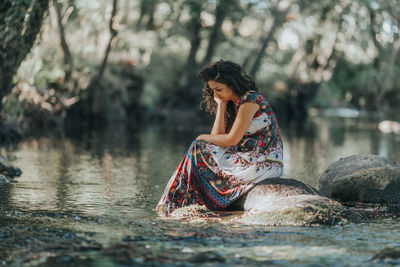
(194,27)
(67,57)
(302,51)
(91,108)
(187,74)
(223,8)
(147,9)
(372,27)
(20,22)
(387,53)
(187,78)
(278,17)
(113,28)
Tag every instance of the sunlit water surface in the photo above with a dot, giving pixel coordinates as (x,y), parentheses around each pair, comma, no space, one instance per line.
(120,176)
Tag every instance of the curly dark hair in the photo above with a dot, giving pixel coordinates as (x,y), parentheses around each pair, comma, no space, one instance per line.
(231,74)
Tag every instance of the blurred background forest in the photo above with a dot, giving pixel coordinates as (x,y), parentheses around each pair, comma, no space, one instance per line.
(65,63)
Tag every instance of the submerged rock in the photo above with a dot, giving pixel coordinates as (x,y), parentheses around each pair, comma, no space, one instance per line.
(5,179)
(374,185)
(283,201)
(193,212)
(8,170)
(207,257)
(308,211)
(387,255)
(348,166)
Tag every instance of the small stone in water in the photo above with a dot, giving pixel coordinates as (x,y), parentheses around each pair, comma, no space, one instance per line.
(126,238)
(187,250)
(207,257)
(387,254)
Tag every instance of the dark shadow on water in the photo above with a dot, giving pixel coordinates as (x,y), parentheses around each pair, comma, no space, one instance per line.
(5,194)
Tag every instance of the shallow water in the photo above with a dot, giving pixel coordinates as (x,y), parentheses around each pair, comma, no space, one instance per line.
(105,185)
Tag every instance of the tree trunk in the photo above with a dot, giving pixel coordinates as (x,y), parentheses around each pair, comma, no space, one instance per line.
(19,25)
(151,9)
(279,18)
(97,78)
(127,10)
(375,85)
(194,29)
(147,8)
(220,13)
(67,58)
(191,66)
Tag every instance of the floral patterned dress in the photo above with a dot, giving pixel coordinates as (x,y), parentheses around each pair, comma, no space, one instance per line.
(215,176)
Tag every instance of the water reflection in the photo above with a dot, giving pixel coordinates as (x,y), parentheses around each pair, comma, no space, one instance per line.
(118,176)
(121,173)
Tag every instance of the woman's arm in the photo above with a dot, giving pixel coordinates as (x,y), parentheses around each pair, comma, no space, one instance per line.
(219,123)
(242,122)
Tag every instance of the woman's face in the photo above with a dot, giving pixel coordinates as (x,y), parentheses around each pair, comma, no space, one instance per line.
(222,91)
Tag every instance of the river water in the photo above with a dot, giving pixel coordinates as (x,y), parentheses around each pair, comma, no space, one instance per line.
(104,187)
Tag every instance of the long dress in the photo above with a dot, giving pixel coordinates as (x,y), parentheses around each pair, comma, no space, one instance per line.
(215,176)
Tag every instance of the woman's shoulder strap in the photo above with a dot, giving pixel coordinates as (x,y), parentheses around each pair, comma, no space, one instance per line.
(255,97)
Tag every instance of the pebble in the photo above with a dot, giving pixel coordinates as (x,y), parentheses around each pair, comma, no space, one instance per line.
(187,250)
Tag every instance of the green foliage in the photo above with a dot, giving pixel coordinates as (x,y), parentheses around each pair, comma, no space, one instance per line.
(13,106)
(349,49)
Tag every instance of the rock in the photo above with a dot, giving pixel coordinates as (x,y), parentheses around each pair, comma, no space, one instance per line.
(4,179)
(277,201)
(128,254)
(193,212)
(268,194)
(8,133)
(207,257)
(7,169)
(347,166)
(374,185)
(387,255)
(303,210)
(282,201)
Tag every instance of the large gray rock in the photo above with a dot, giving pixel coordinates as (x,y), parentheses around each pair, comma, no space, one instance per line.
(278,201)
(271,194)
(374,185)
(348,166)
(283,201)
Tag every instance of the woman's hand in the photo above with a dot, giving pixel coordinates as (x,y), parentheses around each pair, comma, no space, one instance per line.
(203,137)
(242,121)
(219,101)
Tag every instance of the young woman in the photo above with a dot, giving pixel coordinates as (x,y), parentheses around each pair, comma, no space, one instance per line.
(244,146)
